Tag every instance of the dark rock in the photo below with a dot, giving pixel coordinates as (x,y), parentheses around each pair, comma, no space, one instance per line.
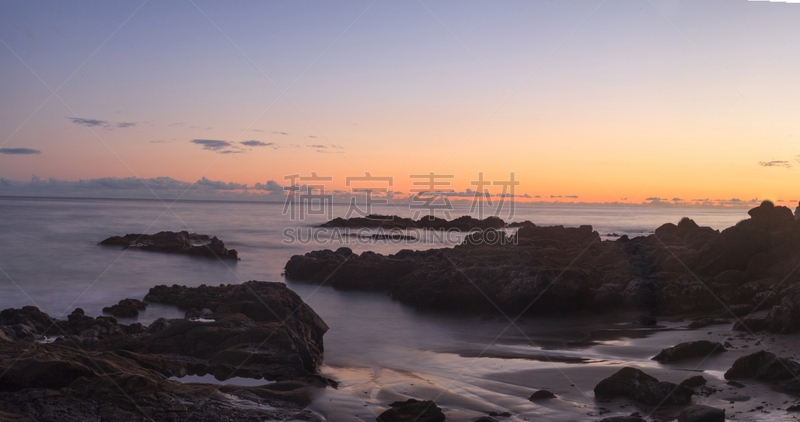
(175,242)
(126,308)
(541,394)
(700,413)
(635,384)
(623,383)
(693,382)
(705,322)
(487,237)
(500,414)
(763,365)
(623,419)
(99,369)
(736,384)
(662,393)
(412,410)
(740,310)
(782,319)
(389,222)
(751,324)
(562,269)
(647,320)
(699,348)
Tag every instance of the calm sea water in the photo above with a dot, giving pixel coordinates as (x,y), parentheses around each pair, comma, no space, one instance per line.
(50,258)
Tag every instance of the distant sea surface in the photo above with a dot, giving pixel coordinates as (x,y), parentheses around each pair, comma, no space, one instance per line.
(50,258)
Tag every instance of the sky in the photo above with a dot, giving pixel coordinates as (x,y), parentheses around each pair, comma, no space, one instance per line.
(599,101)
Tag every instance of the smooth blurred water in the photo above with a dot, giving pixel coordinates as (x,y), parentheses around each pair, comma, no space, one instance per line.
(50,258)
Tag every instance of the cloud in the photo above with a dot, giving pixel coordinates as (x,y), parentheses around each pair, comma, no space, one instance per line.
(775,164)
(572,196)
(205,183)
(676,199)
(19,151)
(176,124)
(280,133)
(157,142)
(87,122)
(212,144)
(271,186)
(257,143)
(100,123)
(314,137)
(317,146)
(231,151)
(256,130)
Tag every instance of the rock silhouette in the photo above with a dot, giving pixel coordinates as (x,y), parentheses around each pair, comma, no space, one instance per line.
(99,369)
(680,268)
(175,242)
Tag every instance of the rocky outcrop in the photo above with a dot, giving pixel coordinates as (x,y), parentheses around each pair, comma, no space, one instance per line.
(412,410)
(99,369)
(389,222)
(689,349)
(126,308)
(634,384)
(681,268)
(175,242)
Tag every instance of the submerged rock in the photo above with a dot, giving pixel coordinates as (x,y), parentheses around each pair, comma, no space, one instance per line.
(175,242)
(412,410)
(689,349)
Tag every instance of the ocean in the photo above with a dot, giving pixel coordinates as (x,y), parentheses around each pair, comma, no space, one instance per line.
(378,349)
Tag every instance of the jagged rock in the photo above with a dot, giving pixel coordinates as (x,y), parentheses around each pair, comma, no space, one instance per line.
(563,269)
(623,419)
(389,222)
(126,308)
(175,242)
(412,410)
(699,348)
(700,413)
(99,369)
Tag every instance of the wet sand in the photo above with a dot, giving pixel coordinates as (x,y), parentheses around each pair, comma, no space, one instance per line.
(467,386)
